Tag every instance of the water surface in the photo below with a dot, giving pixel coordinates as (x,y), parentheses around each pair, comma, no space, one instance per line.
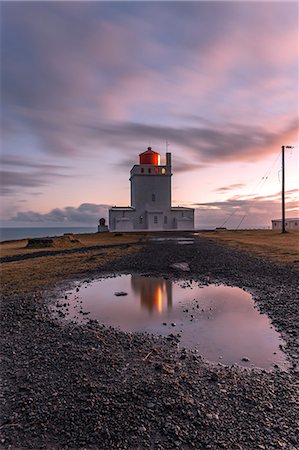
(7,234)
(221,322)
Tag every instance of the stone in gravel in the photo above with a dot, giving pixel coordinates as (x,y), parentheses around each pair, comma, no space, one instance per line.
(173,324)
(150,405)
(212,416)
(181,266)
(245,358)
(120,294)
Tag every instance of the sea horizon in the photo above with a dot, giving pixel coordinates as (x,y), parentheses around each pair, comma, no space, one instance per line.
(15,233)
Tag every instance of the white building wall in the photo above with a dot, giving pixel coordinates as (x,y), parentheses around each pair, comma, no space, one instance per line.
(289,224)
(150,191)
(182,218)
(121,219)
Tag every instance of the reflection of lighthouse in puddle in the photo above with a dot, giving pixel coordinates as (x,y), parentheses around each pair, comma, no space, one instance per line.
(155,293)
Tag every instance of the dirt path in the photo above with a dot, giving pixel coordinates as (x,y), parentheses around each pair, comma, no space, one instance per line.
(67,386)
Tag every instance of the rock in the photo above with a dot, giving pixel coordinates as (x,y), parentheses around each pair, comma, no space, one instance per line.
(212,416)
(181,266)
(245,358)
(120,294)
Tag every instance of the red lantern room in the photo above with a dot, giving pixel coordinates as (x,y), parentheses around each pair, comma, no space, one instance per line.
(150,157)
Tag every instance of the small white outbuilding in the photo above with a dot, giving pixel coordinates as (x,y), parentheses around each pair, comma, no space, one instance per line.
(290,224)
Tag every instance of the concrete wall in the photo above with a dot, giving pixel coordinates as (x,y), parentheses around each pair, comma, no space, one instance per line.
(169,219)
(183,218)
(150,191)
(289,224)
(121,219)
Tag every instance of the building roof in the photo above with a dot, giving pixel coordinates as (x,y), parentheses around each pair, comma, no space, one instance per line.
(183,208)
(124,208)
(287,218)
(149,151)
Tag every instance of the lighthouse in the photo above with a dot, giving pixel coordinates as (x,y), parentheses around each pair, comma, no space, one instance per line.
(151,199)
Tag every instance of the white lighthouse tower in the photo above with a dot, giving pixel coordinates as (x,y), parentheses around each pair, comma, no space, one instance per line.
(151,199)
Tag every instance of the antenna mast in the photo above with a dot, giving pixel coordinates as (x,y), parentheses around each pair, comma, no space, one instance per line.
(167,145)
(283,225)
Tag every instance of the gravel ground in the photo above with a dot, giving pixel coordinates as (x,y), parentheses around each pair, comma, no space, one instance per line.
(89,387)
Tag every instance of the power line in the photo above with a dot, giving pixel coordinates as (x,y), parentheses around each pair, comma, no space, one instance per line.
(256,189)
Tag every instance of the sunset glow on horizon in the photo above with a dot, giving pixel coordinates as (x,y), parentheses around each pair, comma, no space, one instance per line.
(87,86)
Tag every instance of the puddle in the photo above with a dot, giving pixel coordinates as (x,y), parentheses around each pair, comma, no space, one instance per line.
(176,240)
(219,321)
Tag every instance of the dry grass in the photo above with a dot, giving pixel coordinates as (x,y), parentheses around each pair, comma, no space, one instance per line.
(13,248)
(278,247)
(39,273)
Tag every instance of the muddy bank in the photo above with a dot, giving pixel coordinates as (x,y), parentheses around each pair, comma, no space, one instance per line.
(68,386)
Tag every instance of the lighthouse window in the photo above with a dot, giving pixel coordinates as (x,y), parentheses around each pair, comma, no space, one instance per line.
(149,170)
(163,171)
(123,213)
(182,214)
(142,169)
(140,219)
(153,197)
(165,219)
(155,219)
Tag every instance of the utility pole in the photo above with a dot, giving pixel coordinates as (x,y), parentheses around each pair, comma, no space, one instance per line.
(283,225)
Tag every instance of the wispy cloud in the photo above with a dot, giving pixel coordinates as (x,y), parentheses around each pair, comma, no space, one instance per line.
(86,213)
(108,64)
(231,187)
(251,210)
(218,80)
(17,172)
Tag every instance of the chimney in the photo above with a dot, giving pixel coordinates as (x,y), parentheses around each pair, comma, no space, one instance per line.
(168,159)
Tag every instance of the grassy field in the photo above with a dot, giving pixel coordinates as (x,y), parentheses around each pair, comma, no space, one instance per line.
(279,248)
(12,248)
(39,273)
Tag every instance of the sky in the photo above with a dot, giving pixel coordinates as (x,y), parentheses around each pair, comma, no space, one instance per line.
(87,86)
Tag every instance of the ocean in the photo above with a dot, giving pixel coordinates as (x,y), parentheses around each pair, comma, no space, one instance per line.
(8,234)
